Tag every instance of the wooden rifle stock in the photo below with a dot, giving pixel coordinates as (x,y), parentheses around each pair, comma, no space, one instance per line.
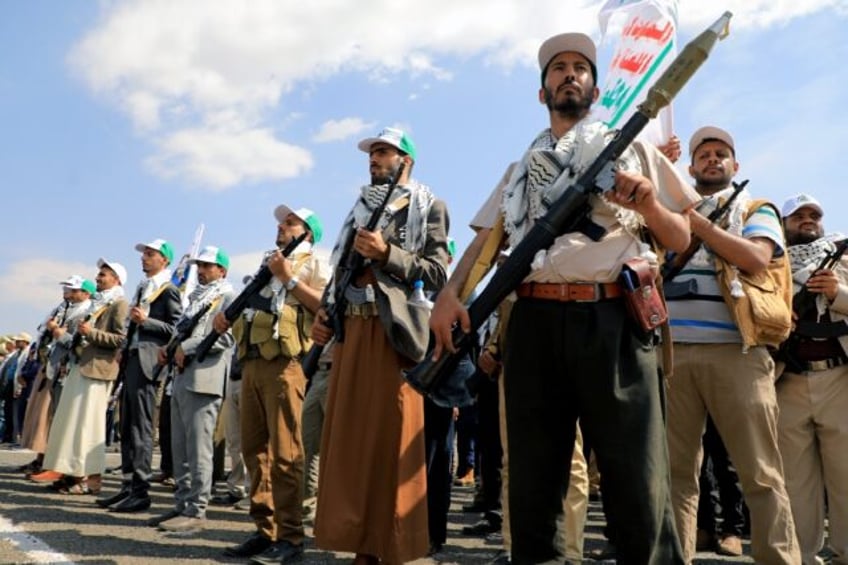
(353,263)
(673,266)
(240,302)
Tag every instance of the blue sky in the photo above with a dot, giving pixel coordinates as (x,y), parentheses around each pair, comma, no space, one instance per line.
(128,121)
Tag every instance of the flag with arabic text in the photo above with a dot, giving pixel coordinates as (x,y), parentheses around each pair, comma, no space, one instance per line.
(644,33)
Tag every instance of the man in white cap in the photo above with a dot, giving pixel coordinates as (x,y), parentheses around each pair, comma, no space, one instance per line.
(39,406)
(272,334)
(722,365)
(585,357)
(197,393)
(812,393)
(377,508)
(154,310)
(78,292)
(76,446)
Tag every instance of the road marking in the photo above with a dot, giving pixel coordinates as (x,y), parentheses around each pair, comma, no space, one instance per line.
(36,550)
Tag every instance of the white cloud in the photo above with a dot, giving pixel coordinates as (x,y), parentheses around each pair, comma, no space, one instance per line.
(338,130)
(35,282)
(756,14)
(171,64)
(218,159)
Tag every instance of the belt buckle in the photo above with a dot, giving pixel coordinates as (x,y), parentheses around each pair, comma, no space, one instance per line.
(595,294)
(822,365)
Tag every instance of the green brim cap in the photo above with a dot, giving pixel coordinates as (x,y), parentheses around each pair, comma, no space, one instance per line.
(159,245)
(395,137)
(89,287)
(212,254)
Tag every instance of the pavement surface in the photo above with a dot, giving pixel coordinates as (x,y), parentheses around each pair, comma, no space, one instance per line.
(38,525)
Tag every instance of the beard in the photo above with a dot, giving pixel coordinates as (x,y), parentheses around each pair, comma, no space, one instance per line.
(802,237)
(384,176)
(569,107)
(711,185)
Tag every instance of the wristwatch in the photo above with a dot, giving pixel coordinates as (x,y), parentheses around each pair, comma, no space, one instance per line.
(292,283)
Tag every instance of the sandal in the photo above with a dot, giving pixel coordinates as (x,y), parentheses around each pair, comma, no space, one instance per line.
(79,488)
(59,484)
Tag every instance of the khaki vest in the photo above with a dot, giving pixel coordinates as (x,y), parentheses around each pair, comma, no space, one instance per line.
(293,324)
(764,314)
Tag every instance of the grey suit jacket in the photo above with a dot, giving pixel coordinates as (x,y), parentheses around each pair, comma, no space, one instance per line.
(156,330)
(210,376)
(408,327)
(98,355)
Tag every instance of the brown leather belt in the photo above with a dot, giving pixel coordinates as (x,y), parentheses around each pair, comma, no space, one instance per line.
(569,292)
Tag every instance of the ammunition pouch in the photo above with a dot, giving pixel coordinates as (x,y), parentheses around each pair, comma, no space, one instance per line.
(293,326)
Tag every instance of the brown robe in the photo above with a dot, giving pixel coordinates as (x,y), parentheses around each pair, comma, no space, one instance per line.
(39,414)
(372,492)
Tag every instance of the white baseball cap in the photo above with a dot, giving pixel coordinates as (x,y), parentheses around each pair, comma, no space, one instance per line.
(120,270)
(306,215)
(78,282)
(212,254)
(573,42)
(799,201)
(710,132)
(395,137)
(159,245)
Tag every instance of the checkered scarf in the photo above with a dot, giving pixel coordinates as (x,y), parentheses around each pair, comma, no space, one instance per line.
(532,188)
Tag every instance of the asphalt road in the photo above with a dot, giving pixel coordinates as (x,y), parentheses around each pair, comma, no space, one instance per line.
(38,525)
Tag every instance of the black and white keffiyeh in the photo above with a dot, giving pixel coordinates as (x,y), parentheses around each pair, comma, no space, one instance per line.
(531,188)
(200,297)
(420,200)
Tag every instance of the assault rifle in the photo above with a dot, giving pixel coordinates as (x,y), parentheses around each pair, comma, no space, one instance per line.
(132,327)
(569,212)
(804,307)
(181,333)
(675,264)
(240,302)
(350,265)
(46,335)
(804,301)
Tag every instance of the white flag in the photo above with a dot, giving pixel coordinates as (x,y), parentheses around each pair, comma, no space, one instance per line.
(645,47)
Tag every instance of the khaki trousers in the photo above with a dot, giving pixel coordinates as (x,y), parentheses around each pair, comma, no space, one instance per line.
(576,501)
(738,391)
(271,407)
(813,435)
(231,413)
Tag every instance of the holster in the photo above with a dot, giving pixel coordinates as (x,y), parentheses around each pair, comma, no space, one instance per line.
(644,301)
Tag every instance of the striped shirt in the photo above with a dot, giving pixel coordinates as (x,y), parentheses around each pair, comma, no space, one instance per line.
(697,311)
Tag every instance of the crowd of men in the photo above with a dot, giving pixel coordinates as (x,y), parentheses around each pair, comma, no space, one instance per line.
(568,370)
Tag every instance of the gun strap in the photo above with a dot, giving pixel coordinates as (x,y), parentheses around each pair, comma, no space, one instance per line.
(484,260)
(157,292)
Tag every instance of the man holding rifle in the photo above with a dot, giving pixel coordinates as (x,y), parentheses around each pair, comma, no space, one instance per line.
(813,392)
(573,351)
(156,307)
(372,487)
(723,305)
(198,390)
(272,333)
